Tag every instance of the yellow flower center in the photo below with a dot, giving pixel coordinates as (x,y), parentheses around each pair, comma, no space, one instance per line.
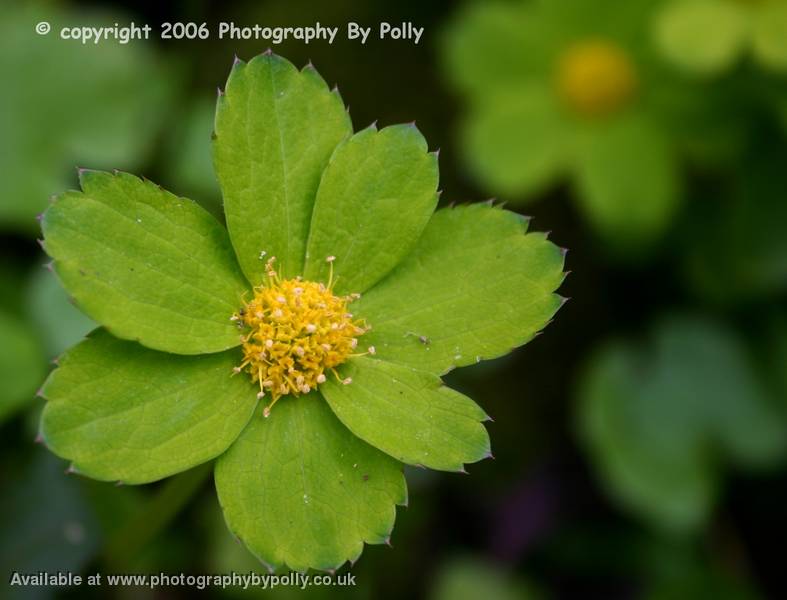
(295,334)
(595,78)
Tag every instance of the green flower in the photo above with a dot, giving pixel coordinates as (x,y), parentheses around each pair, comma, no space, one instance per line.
(314,376)
(709,36)
(558,89)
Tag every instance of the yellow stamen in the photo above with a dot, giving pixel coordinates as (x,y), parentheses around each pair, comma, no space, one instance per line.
(595,78)
(295,330)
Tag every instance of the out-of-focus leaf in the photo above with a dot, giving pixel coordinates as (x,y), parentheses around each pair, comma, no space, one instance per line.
(489,44)
(628,181)
(703,36)
(60,324)
(189,162)
(770,34)
(468,578)
(22,364)
(67,104)
(517,140)
(45,523)
(661,422)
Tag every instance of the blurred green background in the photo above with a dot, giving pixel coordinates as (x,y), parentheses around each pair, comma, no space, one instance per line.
(640,443)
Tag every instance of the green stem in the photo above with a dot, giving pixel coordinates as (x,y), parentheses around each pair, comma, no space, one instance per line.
(132,538)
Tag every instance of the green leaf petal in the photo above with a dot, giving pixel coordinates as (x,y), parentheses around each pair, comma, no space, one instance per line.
(516,141)
(660,422)
(704,36)
(628,181)
(21,364)
(770,35)
(148,265)
(276,128)
(409,414)
(300,490)
(474,287)
(122,412)
(375,179)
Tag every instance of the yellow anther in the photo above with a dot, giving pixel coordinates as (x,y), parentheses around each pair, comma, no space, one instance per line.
(294,331)
(595,78)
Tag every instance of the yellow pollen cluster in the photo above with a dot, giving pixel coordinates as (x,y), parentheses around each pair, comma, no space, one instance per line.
(295,333)
(595,78)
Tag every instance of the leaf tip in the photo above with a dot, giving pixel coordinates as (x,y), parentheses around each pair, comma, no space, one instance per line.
(83,174)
